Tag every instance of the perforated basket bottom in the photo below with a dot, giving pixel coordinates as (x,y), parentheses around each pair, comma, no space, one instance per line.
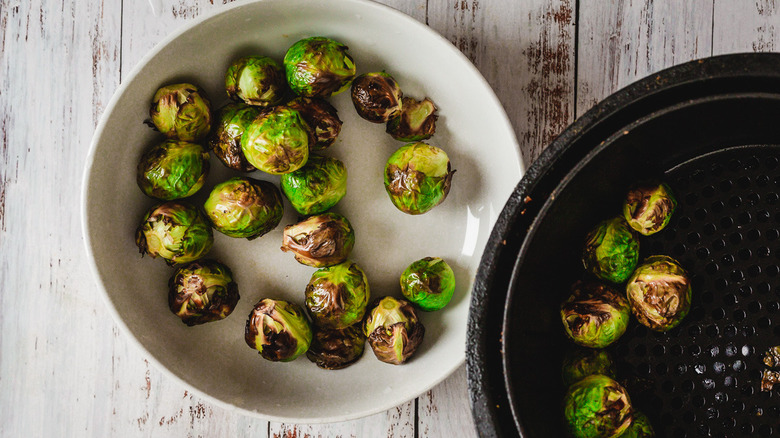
(703,377)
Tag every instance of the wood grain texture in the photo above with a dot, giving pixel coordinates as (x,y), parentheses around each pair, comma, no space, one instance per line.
(746,26)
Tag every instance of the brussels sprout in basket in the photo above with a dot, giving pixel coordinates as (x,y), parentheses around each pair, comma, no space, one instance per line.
(256,80)
(317,186)
(230,123)
(597,407)
(318,67)
(376,97)
(181,111)
(244,207)
(611,251)
(417,120)
(393,330)
(322,118)
(320,241)
(278,330)
(583,362)
(336,296)
(659,292)
(429,283)
(418,177)
(202,291)
(640,427)
(172,169)
(648,207)
(595,315)
(277,141)
(175,231)
(336,349)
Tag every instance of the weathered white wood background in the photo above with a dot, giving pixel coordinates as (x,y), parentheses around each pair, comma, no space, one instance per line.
(66,370)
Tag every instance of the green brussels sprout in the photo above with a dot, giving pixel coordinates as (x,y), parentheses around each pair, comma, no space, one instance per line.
(320,241)
(640,427)
(317,186)
(256,80)
(277,141)
(418,177)
(597,407)
(376,97)
(172,169)
(429,283)
(202,291)
(336,349)
(322,118)
(595,315)
(394,332)
(181,111)
(232,120)
(318,67)
(584,362)
(175,231)
(278,330)
(648,207)
(337,296)
(659,293)
(416,122)
(611,251)
(244,207)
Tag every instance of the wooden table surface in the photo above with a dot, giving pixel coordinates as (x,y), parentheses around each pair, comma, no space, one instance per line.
(65,368)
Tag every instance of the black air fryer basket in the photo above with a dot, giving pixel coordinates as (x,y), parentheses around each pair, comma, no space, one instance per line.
(709,128)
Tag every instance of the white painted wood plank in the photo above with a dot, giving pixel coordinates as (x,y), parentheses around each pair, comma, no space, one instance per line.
(621,42)
(444,411)
(746,26)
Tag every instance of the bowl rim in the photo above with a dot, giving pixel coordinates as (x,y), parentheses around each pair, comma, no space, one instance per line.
(98,135)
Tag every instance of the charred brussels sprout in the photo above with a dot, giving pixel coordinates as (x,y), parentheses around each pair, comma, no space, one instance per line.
(231,122)
(256,80)
(202,291)
(417,120)
(376,97)
(244,207)
(584,362)
(640,427)
(418,177)
(337,296)
(175,231)
(181,111)
(278,330)
(648,207)
(659,292)
(322,118)
(597,407)
(393,330)
(172,169)
(277,142)
(429,283)
(595,315)
(318,67)
(336,349)
(317,186)
(611,251)
(320,241)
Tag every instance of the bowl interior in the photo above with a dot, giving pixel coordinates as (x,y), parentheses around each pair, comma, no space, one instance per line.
(213,358)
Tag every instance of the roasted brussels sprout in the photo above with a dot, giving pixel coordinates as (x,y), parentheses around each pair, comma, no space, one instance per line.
(181,111)
(336,349)
(244,207)
(278,330)
(772,357)
(597,407)
(611,251)
(337,296)
(429,283)
(418,177)
(417,120)
(659,293)
(277,141)
(317,186)
(595,315)
(172,169)
(583,362)
(320,241)
(175,231)
(376,97)
(202,291)
(322,118)
(393,330)
(640,427)
(648,207)
(231,122)
(256,80)
(318,67)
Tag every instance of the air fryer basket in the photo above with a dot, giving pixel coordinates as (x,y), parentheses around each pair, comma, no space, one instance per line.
(710,129)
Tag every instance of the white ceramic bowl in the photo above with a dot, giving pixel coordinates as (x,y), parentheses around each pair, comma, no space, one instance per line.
(213,359)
